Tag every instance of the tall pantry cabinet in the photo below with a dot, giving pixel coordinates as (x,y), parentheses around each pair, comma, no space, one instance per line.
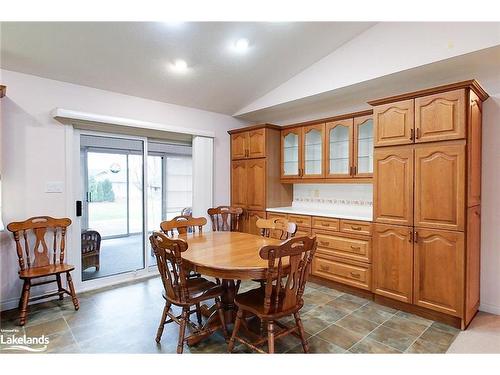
(255,173)
(427,199)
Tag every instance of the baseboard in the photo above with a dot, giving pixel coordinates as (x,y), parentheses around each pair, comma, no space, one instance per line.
(489,308)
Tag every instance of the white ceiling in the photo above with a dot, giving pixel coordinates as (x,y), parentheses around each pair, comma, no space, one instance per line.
(132,58)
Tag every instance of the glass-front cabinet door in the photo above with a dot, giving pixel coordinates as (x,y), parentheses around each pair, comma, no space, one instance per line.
(363,146)
(339,135)
(291,153)
(313,151)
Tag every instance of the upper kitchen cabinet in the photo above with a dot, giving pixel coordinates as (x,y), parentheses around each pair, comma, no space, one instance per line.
(394,123)
(248,144)
(291,153)
(363,146)
(339,150)
(440,116)
(313,137)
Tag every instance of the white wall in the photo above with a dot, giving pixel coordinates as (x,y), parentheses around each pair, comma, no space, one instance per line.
(33,148)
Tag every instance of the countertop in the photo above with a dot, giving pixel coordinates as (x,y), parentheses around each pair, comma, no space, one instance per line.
(362,214)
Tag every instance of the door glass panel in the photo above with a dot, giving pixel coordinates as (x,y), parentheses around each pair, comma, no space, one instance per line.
(365,147)
(291,154)
(112,222)
(313,152)
(339,150)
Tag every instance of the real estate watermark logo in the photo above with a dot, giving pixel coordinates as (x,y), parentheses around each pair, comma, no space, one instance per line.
(10,341)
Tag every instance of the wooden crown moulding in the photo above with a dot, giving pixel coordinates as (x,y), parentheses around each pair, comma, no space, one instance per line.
(254,127)
(367,112)
(3,91)
(470,84)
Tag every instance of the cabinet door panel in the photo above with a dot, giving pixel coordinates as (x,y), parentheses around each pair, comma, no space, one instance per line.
(313,152)
(239,142)
(440,117)
(393,185)
(474,142)
(473,262)
(393,262)
(291,153)
(439,270)
(339,148)
(257,143)
(363,146)
(439,186)
(256,184)
(394,123)
(250,220)
(239,183)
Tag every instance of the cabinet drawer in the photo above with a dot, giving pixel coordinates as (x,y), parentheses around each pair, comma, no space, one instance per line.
(355,275)
(300,220)
(274,215)
(303,231)
(351,248)
(325,223)
(356,227)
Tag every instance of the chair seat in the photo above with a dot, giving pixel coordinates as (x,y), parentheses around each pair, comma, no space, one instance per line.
(253,301)
(51,269)
(200,289)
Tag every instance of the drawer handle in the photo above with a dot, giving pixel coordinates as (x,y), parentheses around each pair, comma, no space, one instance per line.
(356,275)
(323,267)
(326,224)
(324,243)
(357,248)
(355,228)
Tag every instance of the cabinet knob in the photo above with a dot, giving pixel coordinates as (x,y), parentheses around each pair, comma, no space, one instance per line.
(323,267)
(324,243)
(355,227)
(355,275)
(357,248)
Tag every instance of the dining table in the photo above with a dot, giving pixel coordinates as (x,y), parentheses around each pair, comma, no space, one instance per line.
(229,257)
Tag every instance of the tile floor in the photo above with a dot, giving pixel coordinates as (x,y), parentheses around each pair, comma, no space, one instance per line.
(124,320)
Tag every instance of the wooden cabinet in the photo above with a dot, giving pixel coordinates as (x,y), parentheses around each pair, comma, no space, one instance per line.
(255,181)
(440,186)
(313,158)
(239,183)
(356,227)
(291,153)
(393,262)
(357,249)
(439,270)
(248,144)
(474,149)
(393,185)
(339,148)
(394,123)
(325,223)
(473,263)
(363,146)
(350,273)
(249,219)
(440,117)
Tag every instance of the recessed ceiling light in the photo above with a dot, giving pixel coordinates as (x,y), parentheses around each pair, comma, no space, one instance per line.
(179,66)
(241,45)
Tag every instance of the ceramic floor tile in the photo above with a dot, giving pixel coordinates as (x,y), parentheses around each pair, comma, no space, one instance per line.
(47,328)
(445,328)
(428,347)
(312,324)
(318,346)
(393,338)
(357,324)
(441,338)
(414,318)
(373,347)
(372,313)
(328,313)
(405,325)
(340,336)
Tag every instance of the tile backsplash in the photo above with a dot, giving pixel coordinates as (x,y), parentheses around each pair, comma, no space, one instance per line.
(329,196)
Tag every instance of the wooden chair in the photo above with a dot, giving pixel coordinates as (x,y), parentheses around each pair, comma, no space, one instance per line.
(279,228)
(183,224)
(91,249)
(183,291)
(38,261)
(225,218)
(289,265)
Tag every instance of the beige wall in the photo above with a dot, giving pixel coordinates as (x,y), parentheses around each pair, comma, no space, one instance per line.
(34,152)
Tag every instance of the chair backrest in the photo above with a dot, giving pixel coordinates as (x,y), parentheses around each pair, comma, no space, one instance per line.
(38,254)
(276,228)
(169,261)
(182,224)
(279,295)
(225,218)
(91,241)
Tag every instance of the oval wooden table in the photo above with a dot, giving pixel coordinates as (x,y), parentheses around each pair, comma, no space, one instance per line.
(228,256)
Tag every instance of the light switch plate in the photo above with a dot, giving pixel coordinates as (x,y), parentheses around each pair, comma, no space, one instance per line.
(54,187)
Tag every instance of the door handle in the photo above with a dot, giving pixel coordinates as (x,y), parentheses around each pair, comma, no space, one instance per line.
(412,134)
(416,237)
(418,133)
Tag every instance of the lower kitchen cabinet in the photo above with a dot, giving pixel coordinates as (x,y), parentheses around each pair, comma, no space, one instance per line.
(393,262)
(249,219)
(350,273)
(439,270)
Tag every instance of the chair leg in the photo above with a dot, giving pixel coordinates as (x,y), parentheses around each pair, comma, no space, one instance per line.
(270,336)
(220,310)
(72,291)
(182,329)
(25,296)
(59,286)
(164,315)
(302,334)
(237,324)
(198,313)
